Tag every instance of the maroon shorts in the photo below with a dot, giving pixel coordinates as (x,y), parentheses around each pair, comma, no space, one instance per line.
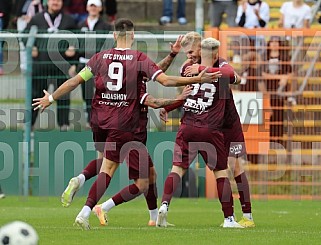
(138,169)
(193,140)
(115,144)
(234,140)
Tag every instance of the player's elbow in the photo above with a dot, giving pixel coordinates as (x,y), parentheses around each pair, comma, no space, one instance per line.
(152,105)
(150,101)
(164,80)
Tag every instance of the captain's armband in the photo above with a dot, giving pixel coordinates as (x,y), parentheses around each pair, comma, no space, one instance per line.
(86,73)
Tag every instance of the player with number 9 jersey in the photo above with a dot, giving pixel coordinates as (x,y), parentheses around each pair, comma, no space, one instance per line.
(119,77)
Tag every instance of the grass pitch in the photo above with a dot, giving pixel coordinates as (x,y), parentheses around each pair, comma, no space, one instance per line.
(196,222)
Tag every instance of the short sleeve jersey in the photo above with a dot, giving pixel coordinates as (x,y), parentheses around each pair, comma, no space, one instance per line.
(119,77)
(205,106)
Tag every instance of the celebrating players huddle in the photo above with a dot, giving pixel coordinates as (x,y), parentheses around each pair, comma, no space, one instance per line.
(119,120)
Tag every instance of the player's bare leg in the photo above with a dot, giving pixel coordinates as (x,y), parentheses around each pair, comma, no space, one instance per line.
(224,192)
(128,193)
(75,183)
(97,190)
(151,197)
(236,165)
(171,183)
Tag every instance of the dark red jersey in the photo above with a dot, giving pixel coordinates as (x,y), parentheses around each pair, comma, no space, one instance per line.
(119,77)
(143,119)
(205,107)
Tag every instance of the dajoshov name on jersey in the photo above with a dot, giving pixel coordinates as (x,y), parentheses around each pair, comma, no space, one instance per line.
(114,96)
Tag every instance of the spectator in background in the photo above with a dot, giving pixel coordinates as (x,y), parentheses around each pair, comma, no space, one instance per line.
(277,72)
(252,67)
(92,23)
(111,11)
(25,10)
(5,8)
(295,14)
(253,14)
(77,9)
(50,66)
(168,12)
(218,8)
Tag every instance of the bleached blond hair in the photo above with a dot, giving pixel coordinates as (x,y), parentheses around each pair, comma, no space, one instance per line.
(210,44)
(191,38)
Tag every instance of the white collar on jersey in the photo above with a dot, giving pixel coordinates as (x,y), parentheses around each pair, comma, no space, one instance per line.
(122,48)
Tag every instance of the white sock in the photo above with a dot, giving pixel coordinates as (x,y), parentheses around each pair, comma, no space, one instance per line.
(108,205)
(248,215)
(230,218)
(153,214)
(81,179)
(85,212)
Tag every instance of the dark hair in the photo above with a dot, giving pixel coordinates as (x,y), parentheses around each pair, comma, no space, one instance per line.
(284,49)
(284,54)
(124,25)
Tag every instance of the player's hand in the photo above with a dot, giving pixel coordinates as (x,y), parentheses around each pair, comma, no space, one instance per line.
(163,115)
(71,51)
(72,71)
(185,93)
(176,47)
(209,77)
(191,70)
(41,103)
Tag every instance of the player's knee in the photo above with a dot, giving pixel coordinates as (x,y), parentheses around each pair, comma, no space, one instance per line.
(178,170)
(152,175)
(142,185)
(221,173)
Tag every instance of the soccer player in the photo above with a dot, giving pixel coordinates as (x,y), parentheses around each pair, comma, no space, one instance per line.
(92,169)
(119,74)
(200,132)
(232,130)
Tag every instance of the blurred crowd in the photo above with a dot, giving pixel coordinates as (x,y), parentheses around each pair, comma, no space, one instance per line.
(52,16)
(21,11)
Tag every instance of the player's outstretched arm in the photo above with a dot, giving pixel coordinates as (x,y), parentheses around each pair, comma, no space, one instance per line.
(48,99)
(161,102)
(174,81)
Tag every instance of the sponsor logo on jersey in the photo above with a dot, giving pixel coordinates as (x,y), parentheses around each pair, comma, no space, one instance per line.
(114,103)
(195,107)
(236,149)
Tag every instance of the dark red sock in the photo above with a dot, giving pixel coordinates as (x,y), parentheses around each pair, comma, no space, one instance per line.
(171,183)
(92,169)
(128,193)
(151,197)
(225,195)
(244,192)
(98,189)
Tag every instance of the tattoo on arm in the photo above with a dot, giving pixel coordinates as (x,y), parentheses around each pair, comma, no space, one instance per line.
(158,103)
(165,63)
